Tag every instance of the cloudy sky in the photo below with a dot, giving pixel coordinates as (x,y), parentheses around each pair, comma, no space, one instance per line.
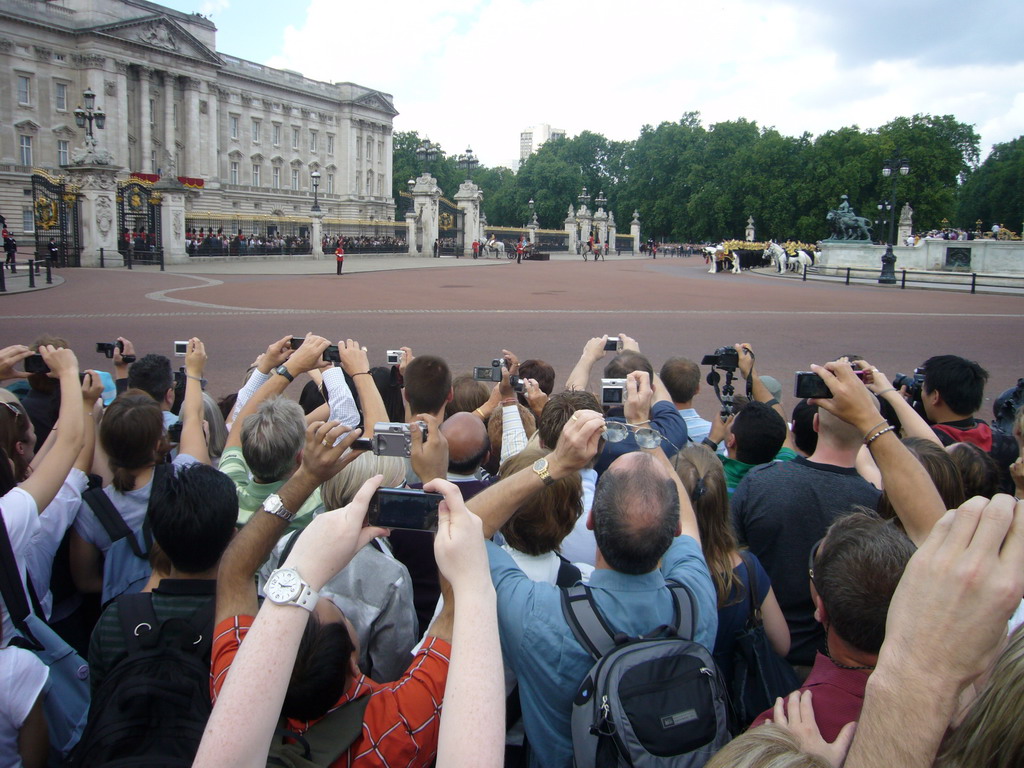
(477,72)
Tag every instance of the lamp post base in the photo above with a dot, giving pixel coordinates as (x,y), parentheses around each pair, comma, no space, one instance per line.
(888,275)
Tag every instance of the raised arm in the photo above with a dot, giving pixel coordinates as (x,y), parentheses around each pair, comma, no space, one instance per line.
(251,546)
(911,421)
(945,626)
(357,365)
(193,438)
(92,389)
(44,483)
(907,483)
(240,730)
(262,369)
(593,351)
(473,693)
(577,445)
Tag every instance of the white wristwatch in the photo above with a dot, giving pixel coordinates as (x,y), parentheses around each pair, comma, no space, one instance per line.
(273,505)
(286,587)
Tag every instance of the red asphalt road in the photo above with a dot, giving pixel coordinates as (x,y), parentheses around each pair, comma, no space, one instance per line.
(537,309)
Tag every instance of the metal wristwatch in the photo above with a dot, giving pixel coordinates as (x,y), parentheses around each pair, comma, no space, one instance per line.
(286,587)
(281,370)
(273,505)
(540,466)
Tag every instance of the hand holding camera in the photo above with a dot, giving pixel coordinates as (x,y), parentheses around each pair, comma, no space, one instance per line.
(353,357)
(117,351)
(429,449)
(577,445)
(309,355)
(195,358)
(321,457)
(745,359)
(536,398)
(277,354)
(639,395)
(92,388)
(594,349)
(850,399)
(60,361)
(10,357)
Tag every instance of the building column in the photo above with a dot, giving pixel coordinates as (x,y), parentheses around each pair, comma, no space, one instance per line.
(169,162)
(211,159)
(145,129)
(120,117)
(192,138)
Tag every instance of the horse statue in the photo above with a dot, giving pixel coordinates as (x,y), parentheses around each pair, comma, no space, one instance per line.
(777,256)
(847,226)
(494,247)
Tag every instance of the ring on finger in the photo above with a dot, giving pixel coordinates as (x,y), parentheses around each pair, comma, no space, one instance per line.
(325,442)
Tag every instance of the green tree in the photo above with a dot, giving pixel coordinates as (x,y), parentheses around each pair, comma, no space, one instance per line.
(994,193)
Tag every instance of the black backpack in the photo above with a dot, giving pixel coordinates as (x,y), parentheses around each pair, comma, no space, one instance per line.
(654,700)
(151,709)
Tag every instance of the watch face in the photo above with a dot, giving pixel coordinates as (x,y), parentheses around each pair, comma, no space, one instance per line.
(540,466)
(283,586)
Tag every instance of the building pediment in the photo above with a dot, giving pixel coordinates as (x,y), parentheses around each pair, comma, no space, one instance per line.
(27,126)
(63,132)
(375,100)
(160,33)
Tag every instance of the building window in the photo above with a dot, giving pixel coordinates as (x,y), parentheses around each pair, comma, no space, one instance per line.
(152,161)
(62,152)
(359,149)
(255,175)
(28,221)
(24,90)
(25,144)
(330,144)
(174,115)
(369,150)
(276,135)
(256,131)
(277,177)
(60,96)
(330,183)
(152,111)
(257,206)
(233,125)
(312,141)
(369,182)
(295,178)
(234,173)
(295,137)
(380,151)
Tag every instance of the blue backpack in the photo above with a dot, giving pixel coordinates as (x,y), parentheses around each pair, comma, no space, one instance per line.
(126,567)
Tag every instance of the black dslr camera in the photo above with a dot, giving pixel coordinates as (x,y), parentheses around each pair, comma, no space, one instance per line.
(725,358)
(914,384)
(107,348)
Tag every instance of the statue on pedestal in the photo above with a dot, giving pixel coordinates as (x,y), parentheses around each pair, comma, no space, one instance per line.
(846,224)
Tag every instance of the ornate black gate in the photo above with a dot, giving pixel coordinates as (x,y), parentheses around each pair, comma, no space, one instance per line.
(451,227)
(55,207)
(138,220)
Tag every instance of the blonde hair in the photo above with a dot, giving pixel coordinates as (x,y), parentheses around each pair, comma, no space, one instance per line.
(340,489)
(767,746)
(990,733)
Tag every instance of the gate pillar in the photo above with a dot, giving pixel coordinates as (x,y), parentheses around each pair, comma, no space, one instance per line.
(98,212)
(425,198)
(172,219)
(468,199)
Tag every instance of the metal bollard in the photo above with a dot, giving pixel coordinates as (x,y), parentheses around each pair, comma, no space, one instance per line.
(805,273)
(128,259)
(31,274)
(161,260)
(974,281)
(903,279)
(3,281)
(847,275)
(49,274)
(101,258)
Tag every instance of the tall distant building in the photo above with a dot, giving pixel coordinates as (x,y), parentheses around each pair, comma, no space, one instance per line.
(248,135)
(531,139)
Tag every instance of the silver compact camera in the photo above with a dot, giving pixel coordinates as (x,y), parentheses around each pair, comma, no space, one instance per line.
(613,392)
(395,356)
(394,438)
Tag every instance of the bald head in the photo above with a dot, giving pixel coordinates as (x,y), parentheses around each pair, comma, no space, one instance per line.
(636,513)
(468,443)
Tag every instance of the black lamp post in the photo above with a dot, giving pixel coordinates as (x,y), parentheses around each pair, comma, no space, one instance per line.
(315,176)
(468,163)
(584,198)
(427,153)
(895,167)
(884,208)
(533,211)
(84,118)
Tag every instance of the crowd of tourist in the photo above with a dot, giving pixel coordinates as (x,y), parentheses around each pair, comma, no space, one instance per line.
(583,570)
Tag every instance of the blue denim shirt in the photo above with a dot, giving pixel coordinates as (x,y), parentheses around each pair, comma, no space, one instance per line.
(539,645)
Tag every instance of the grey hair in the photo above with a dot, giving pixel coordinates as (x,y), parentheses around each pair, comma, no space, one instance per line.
(218,431)
(272,438)
(340,489)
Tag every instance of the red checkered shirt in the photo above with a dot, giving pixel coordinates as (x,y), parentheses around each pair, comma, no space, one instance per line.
(402,720)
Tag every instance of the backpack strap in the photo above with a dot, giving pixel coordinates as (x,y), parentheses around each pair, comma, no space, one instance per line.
(112,522)
(587,624)
(140,626)
(327,739)
(684,609)
(288,546)
(568,574)
(752,590)
(12,589)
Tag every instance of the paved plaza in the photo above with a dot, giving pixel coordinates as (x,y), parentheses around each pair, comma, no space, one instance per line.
(469,310)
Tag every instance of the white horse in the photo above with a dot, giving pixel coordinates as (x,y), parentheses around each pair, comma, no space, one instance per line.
(778,256)
(494,247)
(800,261)
(714,254)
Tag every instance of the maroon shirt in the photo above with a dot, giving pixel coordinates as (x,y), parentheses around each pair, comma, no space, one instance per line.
(838,695)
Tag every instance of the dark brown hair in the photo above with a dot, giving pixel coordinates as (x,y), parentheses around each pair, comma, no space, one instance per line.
(559,409)
(540,524)
(14,425)
(132,435)
(681,377)
(428,381)
(941,468)
(467,395)
(978,470)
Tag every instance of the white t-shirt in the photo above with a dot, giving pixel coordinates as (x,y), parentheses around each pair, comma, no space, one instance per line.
(21,518)
(132,506)
(22,679)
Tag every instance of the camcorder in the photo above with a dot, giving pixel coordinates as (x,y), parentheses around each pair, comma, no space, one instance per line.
(489,373)
(914,384)
(390,438)
(180,378)
(107,348)
(725,359)
(406,508)
(613,392)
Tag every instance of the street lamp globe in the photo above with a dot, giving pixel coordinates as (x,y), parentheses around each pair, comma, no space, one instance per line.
(90,98)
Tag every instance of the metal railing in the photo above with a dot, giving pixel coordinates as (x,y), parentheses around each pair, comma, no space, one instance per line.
(967,280)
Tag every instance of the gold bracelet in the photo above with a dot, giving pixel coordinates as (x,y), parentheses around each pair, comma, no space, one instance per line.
(879,424)
(879,434)
(480,413)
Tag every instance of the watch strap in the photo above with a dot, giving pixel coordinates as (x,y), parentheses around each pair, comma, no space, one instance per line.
(283,371)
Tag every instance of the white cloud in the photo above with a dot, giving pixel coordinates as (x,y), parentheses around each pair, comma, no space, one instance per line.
(214,7)
(476,73)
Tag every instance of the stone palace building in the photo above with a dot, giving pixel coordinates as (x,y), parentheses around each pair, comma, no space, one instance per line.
(243,137)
